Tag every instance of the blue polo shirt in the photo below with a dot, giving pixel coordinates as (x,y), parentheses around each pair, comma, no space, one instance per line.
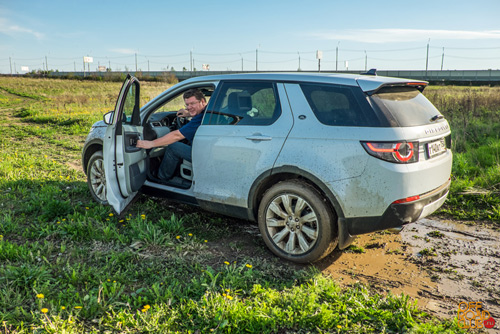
(189,130)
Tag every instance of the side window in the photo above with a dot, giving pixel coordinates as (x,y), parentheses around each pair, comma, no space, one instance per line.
(130,111)
(244,103)
(337,105)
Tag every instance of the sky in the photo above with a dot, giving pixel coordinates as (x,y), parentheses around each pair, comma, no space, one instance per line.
(249,35)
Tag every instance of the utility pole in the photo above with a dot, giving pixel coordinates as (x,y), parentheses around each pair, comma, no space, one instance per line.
(299,60)
(191,59)
(427,58)
(256,59)
(10,61)
(366,61)
(46,64)
(136,62)
(442,60)
(337,57)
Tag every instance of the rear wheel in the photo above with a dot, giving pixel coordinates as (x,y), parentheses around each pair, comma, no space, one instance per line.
(297,223)
(96,179)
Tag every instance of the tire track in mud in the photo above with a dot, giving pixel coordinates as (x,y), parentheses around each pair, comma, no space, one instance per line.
(437,263)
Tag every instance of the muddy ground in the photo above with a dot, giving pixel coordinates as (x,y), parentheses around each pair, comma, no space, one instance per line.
(439,263)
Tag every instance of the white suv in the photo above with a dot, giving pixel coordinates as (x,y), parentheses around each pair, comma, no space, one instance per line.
(315,159)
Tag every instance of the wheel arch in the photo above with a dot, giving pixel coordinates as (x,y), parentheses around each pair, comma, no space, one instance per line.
(91,147)
(267,179)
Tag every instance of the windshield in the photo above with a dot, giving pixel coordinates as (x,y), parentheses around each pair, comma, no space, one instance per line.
(405,105)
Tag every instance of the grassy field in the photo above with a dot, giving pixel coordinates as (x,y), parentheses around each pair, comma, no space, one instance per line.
(69,265)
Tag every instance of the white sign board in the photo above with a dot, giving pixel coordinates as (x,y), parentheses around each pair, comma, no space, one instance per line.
(319,54)
(25,69)
(102,68)
(88,59)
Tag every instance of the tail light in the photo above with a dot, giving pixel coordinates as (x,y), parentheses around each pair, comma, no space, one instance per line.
(397,152)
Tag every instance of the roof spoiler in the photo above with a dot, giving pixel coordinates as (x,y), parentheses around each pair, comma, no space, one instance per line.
(372,71)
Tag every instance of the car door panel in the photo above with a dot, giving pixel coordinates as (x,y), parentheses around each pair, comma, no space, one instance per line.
(228,158)
(125,165)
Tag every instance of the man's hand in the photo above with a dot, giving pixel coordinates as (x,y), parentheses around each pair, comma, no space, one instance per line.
(147,144)
(183,113)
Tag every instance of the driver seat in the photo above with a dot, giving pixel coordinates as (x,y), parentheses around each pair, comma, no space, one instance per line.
(186,170)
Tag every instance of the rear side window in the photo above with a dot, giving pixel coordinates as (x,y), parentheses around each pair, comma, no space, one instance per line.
(244,103)
(339,105)
(405,106)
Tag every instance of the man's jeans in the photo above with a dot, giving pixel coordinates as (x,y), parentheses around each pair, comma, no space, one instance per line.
(174,154)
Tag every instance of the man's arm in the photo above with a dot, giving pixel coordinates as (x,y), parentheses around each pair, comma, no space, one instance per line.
(167,139)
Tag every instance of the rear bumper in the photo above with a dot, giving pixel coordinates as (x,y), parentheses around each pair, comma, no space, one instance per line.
(399,214)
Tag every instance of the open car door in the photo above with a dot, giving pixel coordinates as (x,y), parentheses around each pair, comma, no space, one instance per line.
(125,165)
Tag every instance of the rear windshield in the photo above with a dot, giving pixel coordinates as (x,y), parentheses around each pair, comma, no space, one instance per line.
(404,106)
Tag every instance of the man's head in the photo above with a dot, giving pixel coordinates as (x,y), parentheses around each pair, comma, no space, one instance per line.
(195,101)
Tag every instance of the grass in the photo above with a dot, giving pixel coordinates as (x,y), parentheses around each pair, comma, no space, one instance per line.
(69,265)
(474,116)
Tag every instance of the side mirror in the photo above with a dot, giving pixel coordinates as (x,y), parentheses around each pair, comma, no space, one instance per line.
(108,118)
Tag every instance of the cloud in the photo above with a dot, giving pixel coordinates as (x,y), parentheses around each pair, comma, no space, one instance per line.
(124,51)
(403,35)
(14,30)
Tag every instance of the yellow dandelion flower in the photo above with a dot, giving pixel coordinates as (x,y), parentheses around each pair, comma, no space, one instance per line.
(226,263)
(121,221)
(63,307)
(339,327)
(45,310)
(205,240)
(143,216)
(87,208)
(178,237)
(144,310)
(111,214)
(40,296)
(248,265)
(78,307)
(147,307)
(1,237)
(229,297)
(190,234)
(109,280)
(58,222)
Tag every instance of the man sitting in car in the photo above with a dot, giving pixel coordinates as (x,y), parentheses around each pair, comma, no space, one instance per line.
(176,151)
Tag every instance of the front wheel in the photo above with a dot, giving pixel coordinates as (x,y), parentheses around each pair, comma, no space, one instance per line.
(297,223)
(96,178)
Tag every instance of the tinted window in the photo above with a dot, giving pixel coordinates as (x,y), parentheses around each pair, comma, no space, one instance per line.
(244,103)
(339,105)
(406,105)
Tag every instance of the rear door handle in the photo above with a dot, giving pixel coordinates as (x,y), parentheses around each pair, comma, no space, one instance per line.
(259,137)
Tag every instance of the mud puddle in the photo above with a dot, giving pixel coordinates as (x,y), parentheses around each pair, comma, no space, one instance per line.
(437,263)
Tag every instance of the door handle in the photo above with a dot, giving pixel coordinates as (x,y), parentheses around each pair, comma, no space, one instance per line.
(259,137)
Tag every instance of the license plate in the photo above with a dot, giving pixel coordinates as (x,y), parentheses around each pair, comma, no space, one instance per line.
(436,148)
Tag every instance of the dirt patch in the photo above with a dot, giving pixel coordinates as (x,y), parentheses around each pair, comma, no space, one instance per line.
(437,263)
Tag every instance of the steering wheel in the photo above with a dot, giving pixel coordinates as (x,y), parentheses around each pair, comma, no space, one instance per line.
(179,121)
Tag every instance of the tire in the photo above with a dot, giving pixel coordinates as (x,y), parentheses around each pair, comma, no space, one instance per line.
(297,223)
(96,178)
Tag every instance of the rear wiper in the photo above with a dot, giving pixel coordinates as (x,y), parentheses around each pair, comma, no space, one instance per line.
(435,118)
